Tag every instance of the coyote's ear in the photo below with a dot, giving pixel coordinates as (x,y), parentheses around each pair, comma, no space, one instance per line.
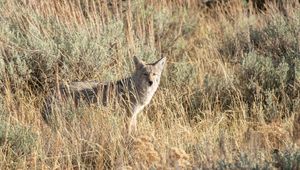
(160,63)
(138,63)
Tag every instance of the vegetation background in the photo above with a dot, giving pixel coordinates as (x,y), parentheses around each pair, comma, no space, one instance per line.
(229,95)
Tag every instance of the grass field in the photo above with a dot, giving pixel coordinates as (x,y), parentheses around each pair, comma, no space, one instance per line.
(228,99)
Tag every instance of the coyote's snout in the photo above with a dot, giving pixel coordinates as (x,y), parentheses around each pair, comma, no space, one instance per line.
(134,92)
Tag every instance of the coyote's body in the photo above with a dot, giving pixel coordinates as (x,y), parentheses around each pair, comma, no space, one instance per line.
(134,92)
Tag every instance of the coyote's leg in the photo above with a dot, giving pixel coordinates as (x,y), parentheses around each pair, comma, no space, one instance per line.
(133,120)
(132,124)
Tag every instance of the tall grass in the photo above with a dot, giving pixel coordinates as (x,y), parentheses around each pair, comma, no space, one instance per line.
(228,99)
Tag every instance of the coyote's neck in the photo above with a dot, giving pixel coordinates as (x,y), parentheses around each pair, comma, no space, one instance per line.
(130,87)
(144,91)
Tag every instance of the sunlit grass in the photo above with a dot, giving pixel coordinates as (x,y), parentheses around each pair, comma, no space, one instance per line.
(229,94)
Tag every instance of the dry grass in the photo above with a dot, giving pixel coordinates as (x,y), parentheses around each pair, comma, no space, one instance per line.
(229,96)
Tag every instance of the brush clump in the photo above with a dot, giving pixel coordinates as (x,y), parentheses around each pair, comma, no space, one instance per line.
(228,96)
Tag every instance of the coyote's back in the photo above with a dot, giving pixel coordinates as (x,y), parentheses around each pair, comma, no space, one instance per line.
(90,92)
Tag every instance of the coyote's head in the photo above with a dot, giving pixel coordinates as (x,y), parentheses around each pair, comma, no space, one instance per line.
(147,77)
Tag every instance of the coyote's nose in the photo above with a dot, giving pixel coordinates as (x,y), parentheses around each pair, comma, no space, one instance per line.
(150,83)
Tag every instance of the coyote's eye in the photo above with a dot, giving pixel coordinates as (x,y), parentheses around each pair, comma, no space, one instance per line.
(145,74)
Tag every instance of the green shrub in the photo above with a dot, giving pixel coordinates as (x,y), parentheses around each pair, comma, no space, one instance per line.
(21,140)
(219,90)
(260,71)
(183,73)
(265,58)
(286,159)
(243,161)
(281,160)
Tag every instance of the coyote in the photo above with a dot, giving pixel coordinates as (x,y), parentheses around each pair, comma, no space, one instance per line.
(134,92)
